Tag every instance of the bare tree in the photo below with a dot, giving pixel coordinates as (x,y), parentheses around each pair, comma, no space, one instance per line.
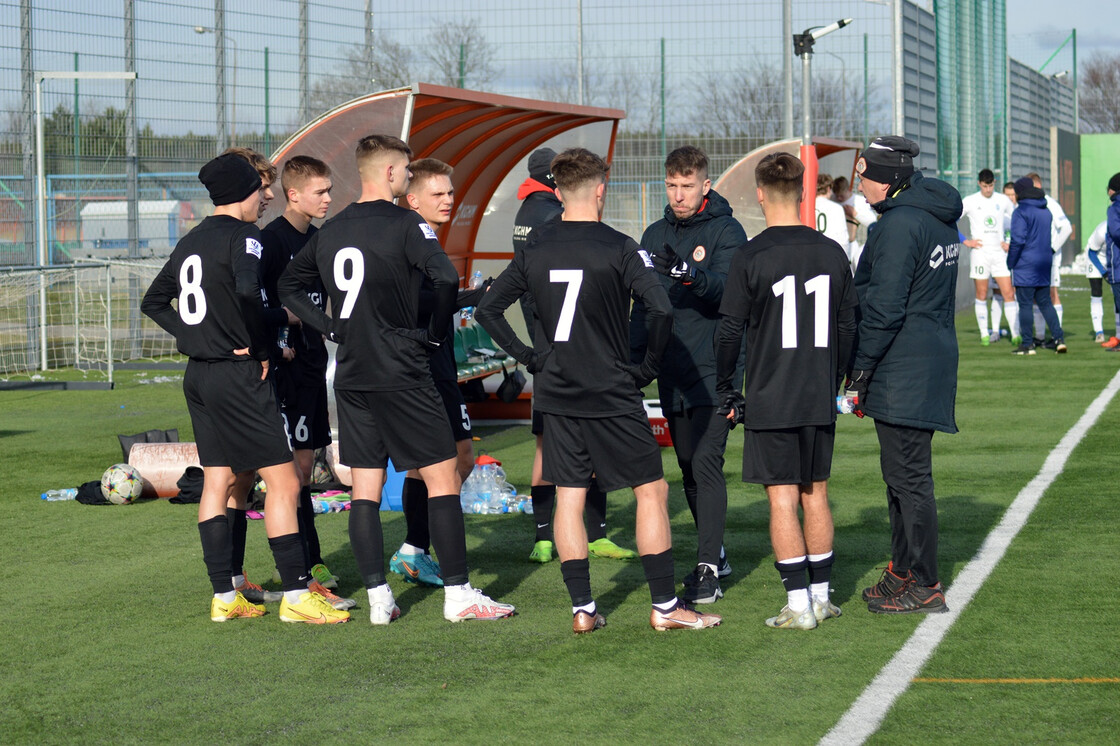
(386,65)
(742,103)
(625,87)
(460,55)
(1099,93)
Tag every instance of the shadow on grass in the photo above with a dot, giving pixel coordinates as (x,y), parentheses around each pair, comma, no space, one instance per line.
(863,546)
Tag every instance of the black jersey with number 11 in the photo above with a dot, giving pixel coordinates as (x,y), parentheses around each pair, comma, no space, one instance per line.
(793,287)
(582,275)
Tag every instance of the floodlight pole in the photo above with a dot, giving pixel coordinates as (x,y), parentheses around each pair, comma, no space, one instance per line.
(803,47)
(41,184)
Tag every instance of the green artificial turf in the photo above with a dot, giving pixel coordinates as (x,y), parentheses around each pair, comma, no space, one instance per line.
(112,641)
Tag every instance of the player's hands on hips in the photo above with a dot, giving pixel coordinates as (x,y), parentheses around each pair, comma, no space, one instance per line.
(732,407)
(288,354)
(264,363)
(293,320)
(972,243)
(642,376)
(423,337)
(536,361)
(857,387)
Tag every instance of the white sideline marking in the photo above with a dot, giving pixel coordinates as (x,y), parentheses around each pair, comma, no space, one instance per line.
(866,714)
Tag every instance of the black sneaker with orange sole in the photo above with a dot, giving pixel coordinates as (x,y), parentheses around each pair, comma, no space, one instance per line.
(889,584)
(914,599)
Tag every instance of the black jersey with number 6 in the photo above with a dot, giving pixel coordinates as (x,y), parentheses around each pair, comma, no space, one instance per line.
(582,275)
(371,258)
(213,275)
(793,287)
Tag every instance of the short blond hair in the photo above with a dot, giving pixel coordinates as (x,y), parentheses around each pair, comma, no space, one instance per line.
(424,169)
(299,169)
(264,166)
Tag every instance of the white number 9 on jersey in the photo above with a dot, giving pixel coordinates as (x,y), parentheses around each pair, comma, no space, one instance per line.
(349,281)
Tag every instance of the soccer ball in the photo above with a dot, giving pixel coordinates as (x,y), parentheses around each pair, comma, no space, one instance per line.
(121,484)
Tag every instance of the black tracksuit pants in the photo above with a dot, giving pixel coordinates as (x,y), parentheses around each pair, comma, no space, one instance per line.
(906,458)
(700,438)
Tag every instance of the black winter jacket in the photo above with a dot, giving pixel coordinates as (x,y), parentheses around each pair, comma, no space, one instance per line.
(906,282)
(707,241)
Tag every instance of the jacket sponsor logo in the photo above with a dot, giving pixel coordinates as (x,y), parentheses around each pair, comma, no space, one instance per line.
(645,258)
(946,255)
(427,231)
(521,231)
(253,246)
(465,215)
(698,254)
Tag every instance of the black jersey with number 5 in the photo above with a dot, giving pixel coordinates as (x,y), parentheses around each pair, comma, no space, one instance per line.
(582,275)
(793,287)
(371,258)
(212,274)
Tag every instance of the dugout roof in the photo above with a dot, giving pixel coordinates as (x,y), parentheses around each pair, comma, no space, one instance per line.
(487,138)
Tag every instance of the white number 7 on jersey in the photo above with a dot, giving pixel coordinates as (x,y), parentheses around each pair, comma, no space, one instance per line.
(573,278)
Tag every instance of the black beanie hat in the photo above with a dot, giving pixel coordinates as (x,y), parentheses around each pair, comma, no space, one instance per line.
(540,166)
(1114,183)
(229,178)
(1025,189)
(887,160)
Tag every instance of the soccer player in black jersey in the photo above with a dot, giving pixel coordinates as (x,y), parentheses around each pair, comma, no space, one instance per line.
(539,208)
(372,258)
(218,323)
(791,289)
(581,274)
(300,364)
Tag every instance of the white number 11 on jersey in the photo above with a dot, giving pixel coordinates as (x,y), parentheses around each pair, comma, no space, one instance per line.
(573,278)
(818,287)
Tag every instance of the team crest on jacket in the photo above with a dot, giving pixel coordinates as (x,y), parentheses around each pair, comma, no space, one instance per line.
(427,231)
(253,246)
(698,254)
(645,258)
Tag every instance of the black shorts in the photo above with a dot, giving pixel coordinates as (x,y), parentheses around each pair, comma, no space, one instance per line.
(234,414)
(410,427)
(620,451)
(304,407)
(456,408)
(796,455)
(537,427)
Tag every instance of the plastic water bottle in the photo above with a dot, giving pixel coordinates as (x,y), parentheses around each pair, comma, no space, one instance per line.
(468,494)
(846,404)
(475,283)
(70,493)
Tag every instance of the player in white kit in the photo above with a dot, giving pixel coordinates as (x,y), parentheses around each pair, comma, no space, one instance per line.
(985,211)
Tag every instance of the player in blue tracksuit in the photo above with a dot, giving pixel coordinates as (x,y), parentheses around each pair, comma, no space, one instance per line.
(1029,258)
(1112,242)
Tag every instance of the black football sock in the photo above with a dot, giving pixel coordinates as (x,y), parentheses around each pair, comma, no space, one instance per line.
(544,500)
(449,537)
(238,528)
(820,571)
(595,512)
(414,502)
(311,535)
(659,576)
(303,520)
(793,573)
(287,552)
(217,552)
(577,577)
(367,542)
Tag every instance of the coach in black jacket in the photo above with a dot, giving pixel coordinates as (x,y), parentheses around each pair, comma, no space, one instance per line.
(692,248)
(905,366)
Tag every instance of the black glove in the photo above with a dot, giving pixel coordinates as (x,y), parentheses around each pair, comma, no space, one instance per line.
(641,374)
(423,337)
(669,264)
(536,361)
(857,387)
(732,403)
